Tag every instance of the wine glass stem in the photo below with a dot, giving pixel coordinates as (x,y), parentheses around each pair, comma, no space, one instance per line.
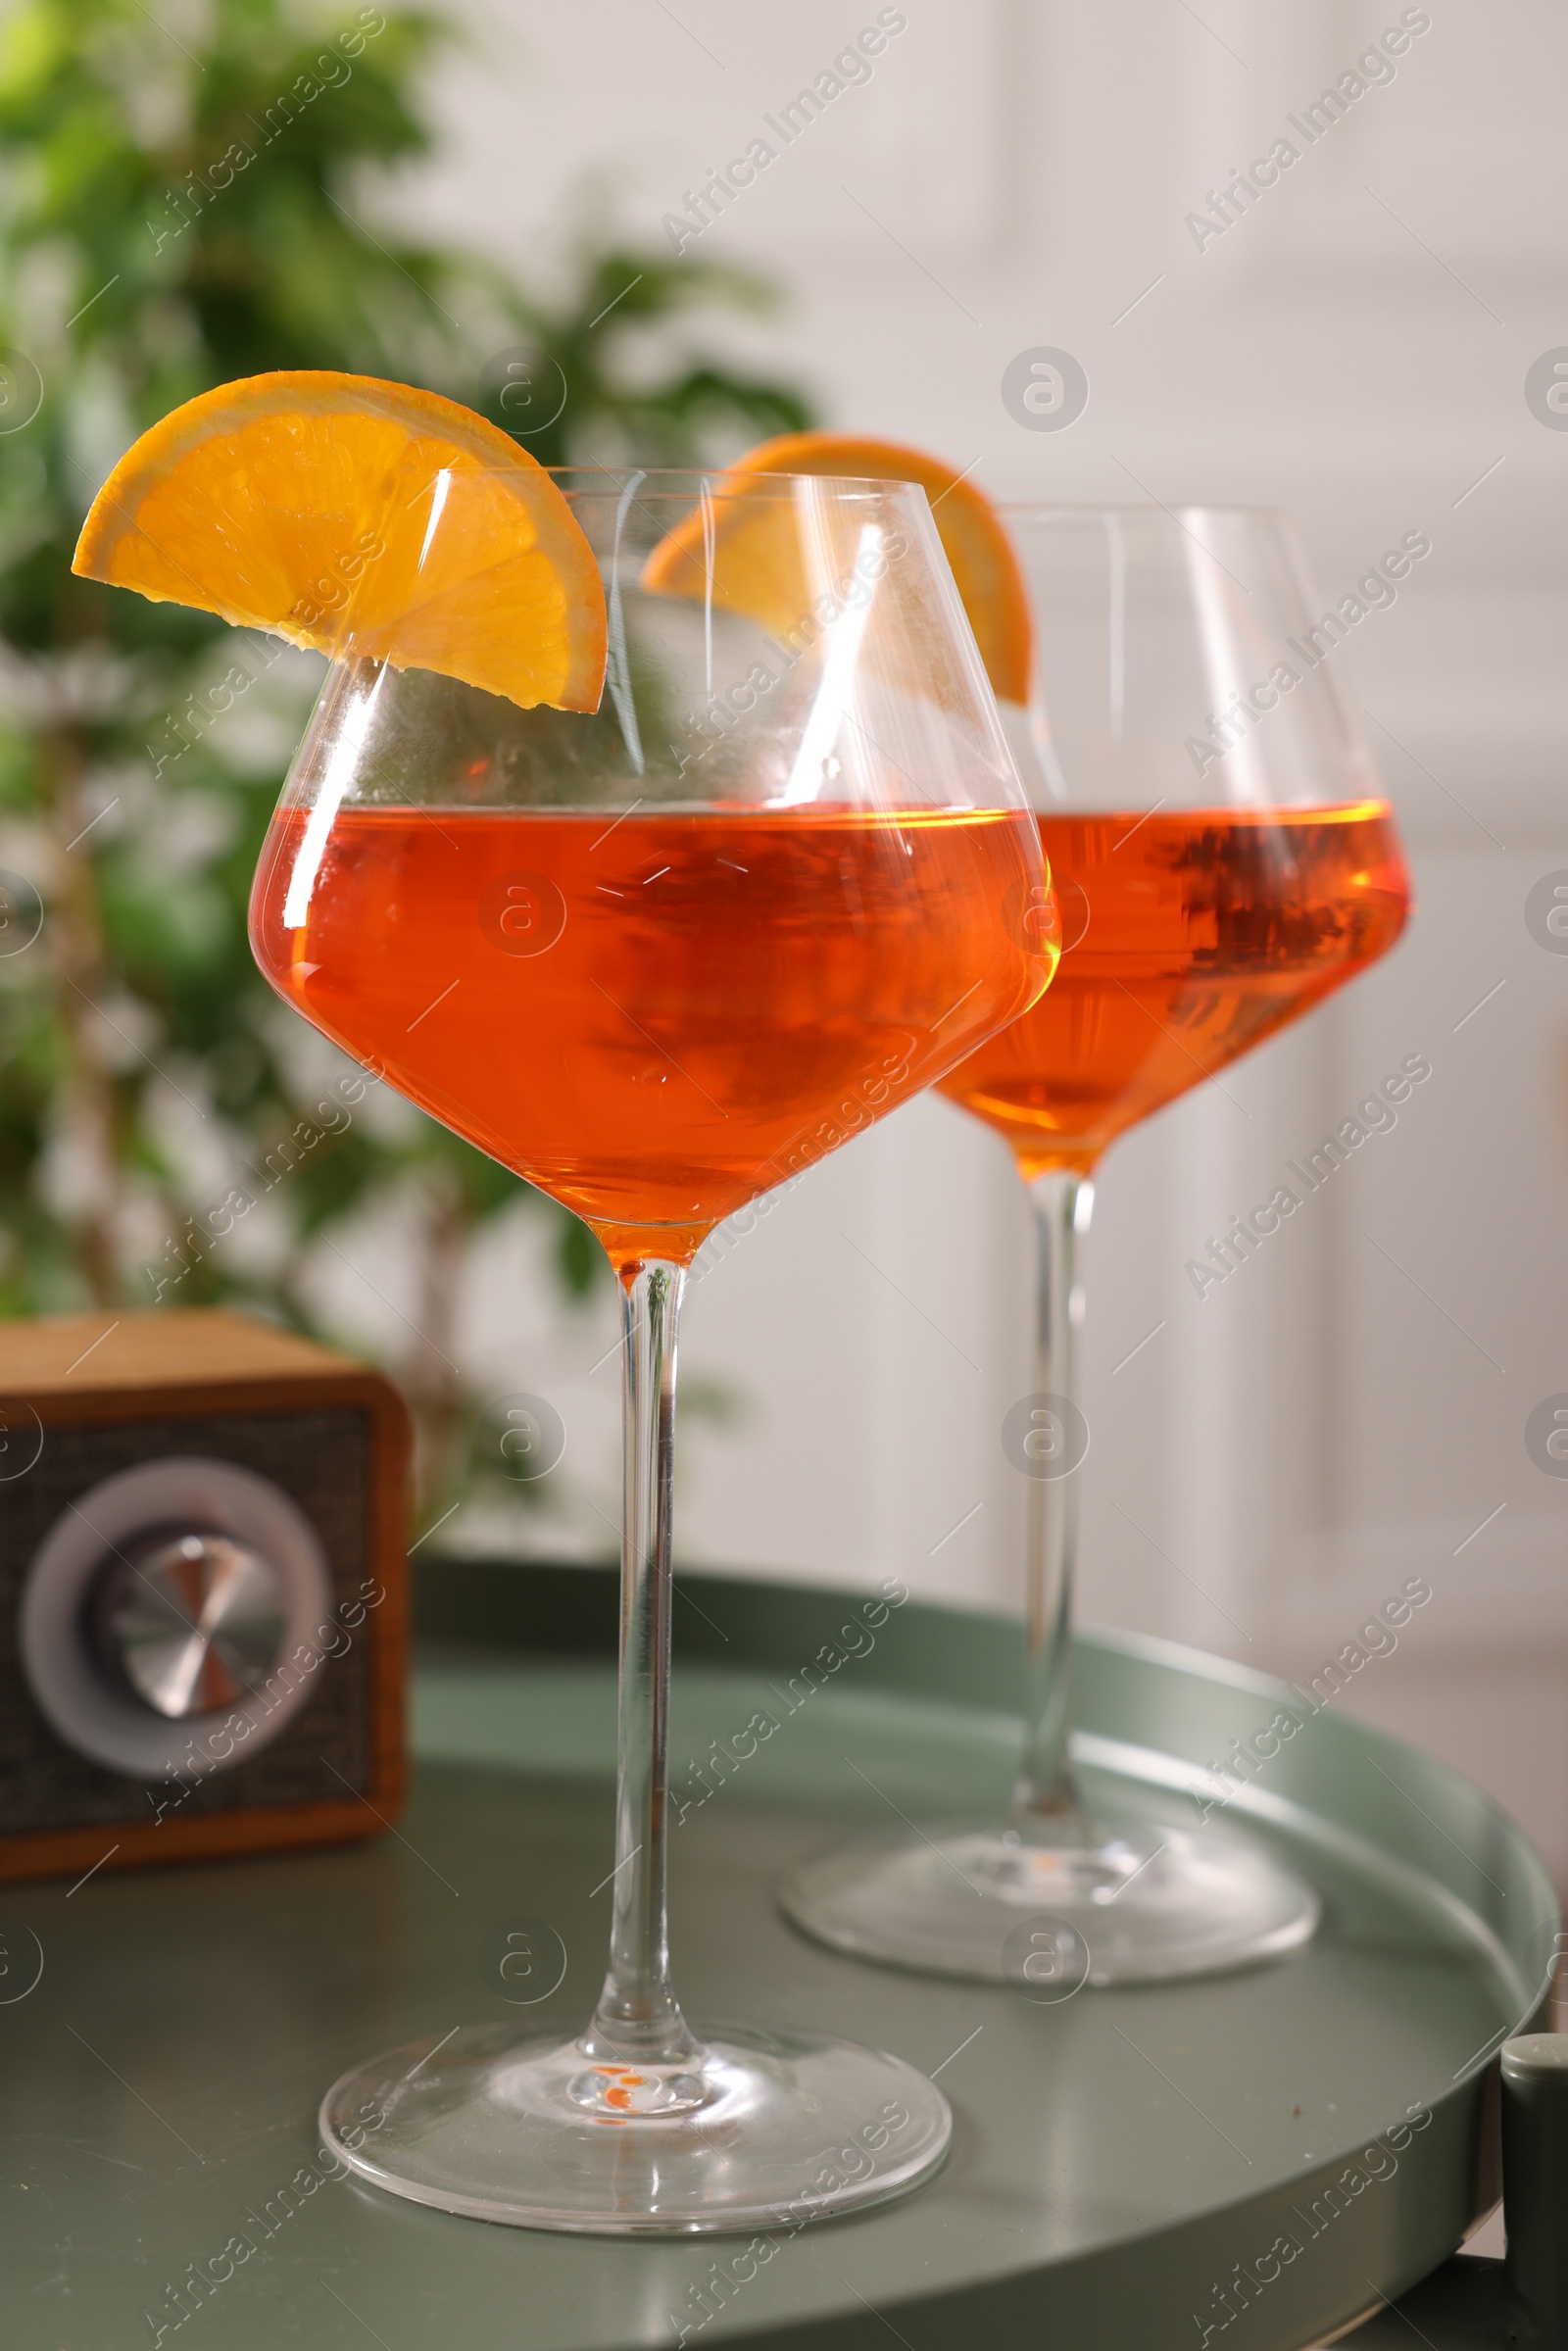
(638,2016)
(1062,1202)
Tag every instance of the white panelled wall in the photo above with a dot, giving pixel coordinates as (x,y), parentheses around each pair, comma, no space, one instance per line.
(1342,1413)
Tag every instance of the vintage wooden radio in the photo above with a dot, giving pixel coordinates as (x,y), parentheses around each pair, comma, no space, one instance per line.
(203,1591)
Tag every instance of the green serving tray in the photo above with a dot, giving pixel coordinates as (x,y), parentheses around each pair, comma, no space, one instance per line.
(1254,2161)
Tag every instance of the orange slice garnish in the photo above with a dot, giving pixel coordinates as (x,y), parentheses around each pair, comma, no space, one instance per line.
(751,553)
(356,517)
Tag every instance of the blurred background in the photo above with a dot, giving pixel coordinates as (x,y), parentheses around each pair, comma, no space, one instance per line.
(504,201)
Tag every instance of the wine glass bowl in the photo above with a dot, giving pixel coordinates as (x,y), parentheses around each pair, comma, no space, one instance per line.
(656,958)
(1218,841)
(1222,862)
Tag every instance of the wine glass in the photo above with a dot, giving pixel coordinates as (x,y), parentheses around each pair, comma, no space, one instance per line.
(1222,862)
(657,959)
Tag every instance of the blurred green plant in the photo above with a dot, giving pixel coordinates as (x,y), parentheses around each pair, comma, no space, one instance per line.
(181,203)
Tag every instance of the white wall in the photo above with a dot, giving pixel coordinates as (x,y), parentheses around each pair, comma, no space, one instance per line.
(1284,1454)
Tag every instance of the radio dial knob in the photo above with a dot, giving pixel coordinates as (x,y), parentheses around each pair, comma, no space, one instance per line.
(192,1621)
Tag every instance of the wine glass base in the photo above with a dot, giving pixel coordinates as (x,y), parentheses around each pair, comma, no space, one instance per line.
(756,2130)
(1133,1904)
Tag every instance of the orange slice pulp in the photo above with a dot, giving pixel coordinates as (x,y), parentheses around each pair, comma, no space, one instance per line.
(350,515)
(754,561)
